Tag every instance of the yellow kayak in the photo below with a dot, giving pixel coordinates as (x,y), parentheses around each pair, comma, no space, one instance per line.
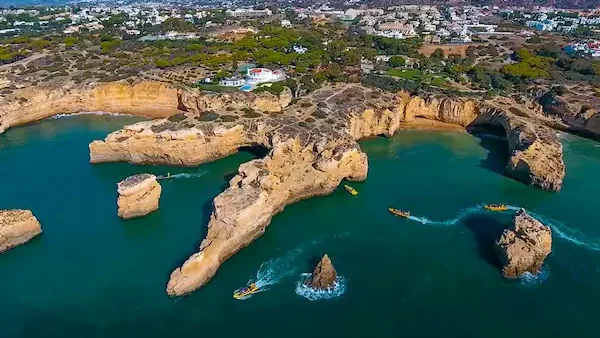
(496,207)
(351,190)
(246,291)
(400,213)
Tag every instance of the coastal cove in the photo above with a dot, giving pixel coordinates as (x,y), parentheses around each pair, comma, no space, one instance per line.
(93,272)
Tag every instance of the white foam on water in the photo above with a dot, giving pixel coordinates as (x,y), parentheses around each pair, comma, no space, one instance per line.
(572,235)
(274,270)
(58,116)
(449,222)
(338,289)
(528,279)
(562,231)
(182,175)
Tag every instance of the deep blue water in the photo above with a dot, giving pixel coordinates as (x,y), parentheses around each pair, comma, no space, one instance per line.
(92,274)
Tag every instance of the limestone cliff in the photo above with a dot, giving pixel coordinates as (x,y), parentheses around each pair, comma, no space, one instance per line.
(525,246)
(312,147)
(138,195)
(17,227)
(149,98)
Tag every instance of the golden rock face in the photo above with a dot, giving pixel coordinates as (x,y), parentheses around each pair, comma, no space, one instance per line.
(312,146)
(17,227)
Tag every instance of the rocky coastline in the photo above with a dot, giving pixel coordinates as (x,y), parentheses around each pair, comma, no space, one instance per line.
(312,146)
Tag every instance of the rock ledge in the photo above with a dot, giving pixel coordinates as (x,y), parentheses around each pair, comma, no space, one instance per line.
(138,195)
(17,227)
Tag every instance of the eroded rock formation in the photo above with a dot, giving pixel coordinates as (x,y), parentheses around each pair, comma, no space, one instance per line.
(312,147)
(524,246)
(138,195)
(324,275)
(17,227)
(148,98)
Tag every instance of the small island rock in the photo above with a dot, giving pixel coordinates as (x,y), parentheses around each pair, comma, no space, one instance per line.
(17,227)
(324,275)
(138,195)
(524,247)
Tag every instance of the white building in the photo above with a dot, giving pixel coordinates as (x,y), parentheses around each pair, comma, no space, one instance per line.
(300,49)
(249,13)
(232,82)
(286,23)
(350,14)
(260,75)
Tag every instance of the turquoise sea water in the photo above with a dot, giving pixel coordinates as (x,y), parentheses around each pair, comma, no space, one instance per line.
(91,274)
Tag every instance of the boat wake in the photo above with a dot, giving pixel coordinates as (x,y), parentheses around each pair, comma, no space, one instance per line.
(562,231)
(182,175)
(99,113)
(453,221)
(339,288)
(274,270)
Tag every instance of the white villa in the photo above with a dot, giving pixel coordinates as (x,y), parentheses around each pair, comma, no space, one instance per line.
(254,76)
(260,75)
(232,82)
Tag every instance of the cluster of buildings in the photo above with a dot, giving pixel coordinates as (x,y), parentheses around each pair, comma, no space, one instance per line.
(95,16)
(551,19)
(588,48)
(254,77)
(433,24)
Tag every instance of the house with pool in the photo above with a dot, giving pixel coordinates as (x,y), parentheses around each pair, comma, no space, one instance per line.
(254,77)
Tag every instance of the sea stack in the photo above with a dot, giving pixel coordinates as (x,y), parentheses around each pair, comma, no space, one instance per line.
(17,227)
(138,195)
(523,247)
(324,275)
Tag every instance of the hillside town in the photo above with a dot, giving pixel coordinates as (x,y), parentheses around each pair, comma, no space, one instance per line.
(227,46)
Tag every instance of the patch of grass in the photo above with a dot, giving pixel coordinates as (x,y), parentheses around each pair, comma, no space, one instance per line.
(438,81)
(216,88)
(408,74)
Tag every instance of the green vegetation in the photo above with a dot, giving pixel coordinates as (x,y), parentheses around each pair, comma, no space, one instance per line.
(177,25)
(215,88)
(407,74)
(70,41)
(528,66)
(390,46)
(397,61)
(275,88)
(109,46)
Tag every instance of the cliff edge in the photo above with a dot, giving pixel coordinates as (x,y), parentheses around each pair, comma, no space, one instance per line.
(312,146)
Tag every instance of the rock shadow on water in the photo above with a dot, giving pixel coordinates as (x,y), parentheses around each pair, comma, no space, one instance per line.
(492,139)
(256,150)
(487,230)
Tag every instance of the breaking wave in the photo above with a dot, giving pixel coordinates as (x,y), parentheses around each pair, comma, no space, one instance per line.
(339,288)
(274,270)
(182,175)
(277,269)
(562,231)
(58,116)
(528,279)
